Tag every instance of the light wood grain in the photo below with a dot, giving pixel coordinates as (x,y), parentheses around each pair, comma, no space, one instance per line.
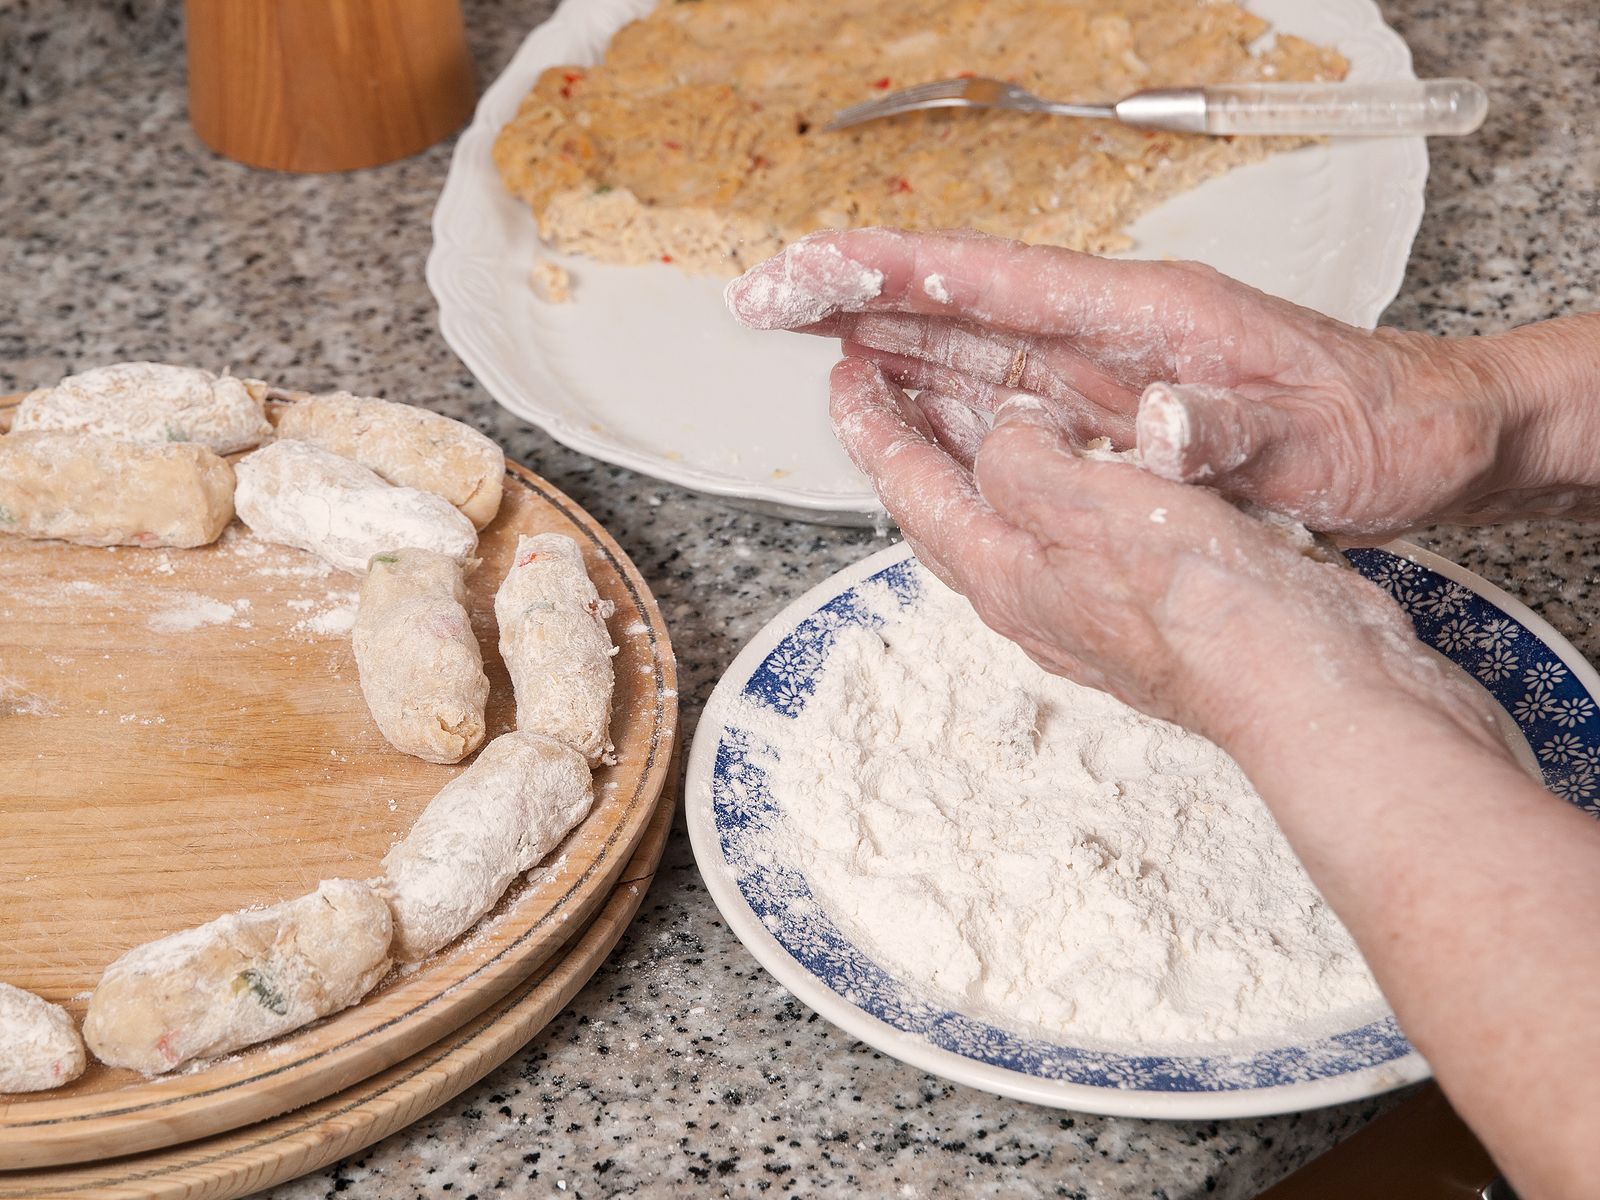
(259,1156)
(154,776)
(326,85)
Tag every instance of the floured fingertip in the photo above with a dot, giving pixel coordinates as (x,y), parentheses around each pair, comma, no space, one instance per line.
(1165,434)
(764,297)
(808,281)
(1025,408)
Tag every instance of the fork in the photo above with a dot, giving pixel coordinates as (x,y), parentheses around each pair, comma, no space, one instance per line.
(1401,107)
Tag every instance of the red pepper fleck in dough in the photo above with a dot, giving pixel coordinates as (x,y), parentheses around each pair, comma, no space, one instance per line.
(882,84)
(527,558)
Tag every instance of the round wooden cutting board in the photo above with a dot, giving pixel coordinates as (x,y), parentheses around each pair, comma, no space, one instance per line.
(182,735)
(258,1156)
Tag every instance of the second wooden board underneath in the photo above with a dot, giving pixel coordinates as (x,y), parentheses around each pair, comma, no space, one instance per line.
(258,1156)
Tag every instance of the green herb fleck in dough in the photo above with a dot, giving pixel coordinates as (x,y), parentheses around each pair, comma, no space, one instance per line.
(388,558)
(6,516)
(271,999)
(602,189)
(174,434)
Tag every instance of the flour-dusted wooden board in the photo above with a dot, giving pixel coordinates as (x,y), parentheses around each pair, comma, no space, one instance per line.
(247,1160)
(182,734)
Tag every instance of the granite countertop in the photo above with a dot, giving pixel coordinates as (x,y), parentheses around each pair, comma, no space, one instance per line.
(683,1067)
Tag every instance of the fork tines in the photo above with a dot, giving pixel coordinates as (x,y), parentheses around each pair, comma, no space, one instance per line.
(904,100)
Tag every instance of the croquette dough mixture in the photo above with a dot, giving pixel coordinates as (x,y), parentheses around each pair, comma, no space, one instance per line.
(698,138)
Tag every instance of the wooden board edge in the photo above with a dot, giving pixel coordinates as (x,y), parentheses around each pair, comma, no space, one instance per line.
(258,1156)
(79,1138)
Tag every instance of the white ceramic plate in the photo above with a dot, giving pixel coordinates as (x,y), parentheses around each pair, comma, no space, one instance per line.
(644,367)
(1545,687)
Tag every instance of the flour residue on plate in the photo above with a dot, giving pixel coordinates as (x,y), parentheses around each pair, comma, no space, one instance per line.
(1033,852)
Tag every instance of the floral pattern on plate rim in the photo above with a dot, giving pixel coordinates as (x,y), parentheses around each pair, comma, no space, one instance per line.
(1551,708)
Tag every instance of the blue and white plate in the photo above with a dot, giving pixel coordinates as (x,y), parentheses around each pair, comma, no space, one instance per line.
(1545,687)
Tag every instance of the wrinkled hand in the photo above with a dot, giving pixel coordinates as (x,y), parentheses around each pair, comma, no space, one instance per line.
(1214,381)
(1165,596)
(1380,764)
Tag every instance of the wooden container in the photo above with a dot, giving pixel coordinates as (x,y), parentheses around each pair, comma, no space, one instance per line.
(326,85)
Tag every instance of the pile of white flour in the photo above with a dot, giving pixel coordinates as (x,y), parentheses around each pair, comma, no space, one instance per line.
(1028,849)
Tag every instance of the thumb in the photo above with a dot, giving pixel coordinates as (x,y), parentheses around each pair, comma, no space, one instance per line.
(1193,433)
(1032,474)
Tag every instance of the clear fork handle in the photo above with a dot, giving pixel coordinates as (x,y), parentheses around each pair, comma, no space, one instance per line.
(1412,106)
(1408,107)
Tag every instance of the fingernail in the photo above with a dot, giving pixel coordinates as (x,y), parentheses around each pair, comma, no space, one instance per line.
(764,297)
(1024,406)
(1163,430)
(962,427)
(912,415)
(831,277)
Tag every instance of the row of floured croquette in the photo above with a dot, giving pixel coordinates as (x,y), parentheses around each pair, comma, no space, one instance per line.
(254,975)
(130,454)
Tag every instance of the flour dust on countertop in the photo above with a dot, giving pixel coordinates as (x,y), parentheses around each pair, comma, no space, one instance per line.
(1034,852)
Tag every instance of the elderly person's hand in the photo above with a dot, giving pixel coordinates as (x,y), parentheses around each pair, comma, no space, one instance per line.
(1353,432)
(1473,892)
(1379,761)
(1166,596)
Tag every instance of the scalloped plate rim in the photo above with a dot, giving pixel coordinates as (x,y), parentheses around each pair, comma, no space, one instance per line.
(918,1052)
(1405,200)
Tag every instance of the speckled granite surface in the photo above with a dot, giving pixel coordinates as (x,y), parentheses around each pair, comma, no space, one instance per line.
(683,1068)
(49,46)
